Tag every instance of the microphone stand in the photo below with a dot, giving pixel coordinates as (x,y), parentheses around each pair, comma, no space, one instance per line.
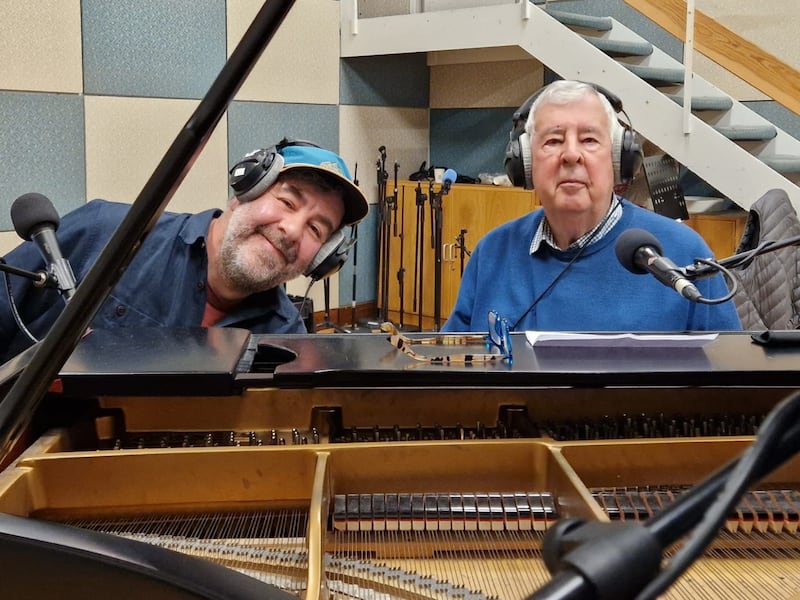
(39,278)
(354,236)
(401,271)
(436,238)
(384,231)
(702,269)
(419,251)
(22,400)
(461,244)
(617,560)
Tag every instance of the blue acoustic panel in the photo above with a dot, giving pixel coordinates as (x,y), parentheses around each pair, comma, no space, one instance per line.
(152,48)
(41,143)
(253,125)
(395,80)
(471,141)
(365,267)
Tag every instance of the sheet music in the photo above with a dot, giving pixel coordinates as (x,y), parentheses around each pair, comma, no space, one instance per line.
(618,340)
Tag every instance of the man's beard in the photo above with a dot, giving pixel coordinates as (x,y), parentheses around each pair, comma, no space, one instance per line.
(250,271)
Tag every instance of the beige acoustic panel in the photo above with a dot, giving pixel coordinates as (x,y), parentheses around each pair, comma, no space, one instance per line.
(484,84)
(725,80)
(126,138)
(364,129)
(40,46)
(301,62)
(770,25)
(8,241)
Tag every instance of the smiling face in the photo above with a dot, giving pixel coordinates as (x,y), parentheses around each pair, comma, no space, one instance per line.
(572,167)
(273,238)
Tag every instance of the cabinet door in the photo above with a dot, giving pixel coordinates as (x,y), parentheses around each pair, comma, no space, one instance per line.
(721,231)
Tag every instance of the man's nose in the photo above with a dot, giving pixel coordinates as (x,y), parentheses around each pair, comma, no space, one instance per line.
(572,151)
(292,226)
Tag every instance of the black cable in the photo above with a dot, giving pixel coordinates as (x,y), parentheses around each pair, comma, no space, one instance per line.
(12,304)
(734,285)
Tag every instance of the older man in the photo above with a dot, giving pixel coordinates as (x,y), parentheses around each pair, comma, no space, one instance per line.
(556,268)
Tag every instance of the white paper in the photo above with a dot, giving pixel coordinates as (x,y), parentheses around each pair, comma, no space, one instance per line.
(618,340)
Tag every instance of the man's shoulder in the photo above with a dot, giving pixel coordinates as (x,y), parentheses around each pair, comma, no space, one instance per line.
(525,224)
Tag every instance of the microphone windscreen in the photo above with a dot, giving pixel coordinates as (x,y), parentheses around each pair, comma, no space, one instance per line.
(627,245)
(31,211)
(449,175)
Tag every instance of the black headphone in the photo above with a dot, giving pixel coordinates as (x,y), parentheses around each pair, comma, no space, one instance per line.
(626,152)
(256,172)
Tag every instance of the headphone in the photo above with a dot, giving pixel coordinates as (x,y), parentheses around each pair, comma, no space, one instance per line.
(256,172)
(626,152)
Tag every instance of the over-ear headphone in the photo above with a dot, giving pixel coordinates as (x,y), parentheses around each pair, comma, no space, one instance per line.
(256,172)
(626,152)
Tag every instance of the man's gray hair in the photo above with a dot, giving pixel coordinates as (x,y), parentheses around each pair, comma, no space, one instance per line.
(565,91)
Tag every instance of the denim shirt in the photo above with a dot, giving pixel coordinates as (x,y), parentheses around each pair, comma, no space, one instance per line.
(163,286)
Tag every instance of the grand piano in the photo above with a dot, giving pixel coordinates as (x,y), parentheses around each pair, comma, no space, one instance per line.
(335,465)
(212,463)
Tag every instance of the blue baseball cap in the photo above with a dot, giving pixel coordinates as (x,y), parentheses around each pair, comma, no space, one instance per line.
(330,164)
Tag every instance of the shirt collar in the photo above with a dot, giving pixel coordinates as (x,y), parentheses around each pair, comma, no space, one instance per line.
(196,226)
(544,234)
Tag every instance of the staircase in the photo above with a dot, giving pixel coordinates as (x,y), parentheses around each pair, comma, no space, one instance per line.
(731,147)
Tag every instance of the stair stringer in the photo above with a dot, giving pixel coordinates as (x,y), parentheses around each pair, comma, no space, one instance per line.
(721,162)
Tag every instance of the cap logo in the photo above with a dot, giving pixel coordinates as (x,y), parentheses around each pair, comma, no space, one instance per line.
(332,166)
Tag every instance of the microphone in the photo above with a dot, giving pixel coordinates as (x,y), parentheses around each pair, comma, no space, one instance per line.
(35,219)
(640,252)
(448,179)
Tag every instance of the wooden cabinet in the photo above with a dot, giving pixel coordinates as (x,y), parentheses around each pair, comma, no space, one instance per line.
(722,231)
(471,211)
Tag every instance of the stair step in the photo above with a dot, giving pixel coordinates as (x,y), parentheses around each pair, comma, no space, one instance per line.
(656,76)
(748,133)
(783,163)
(705,102)
(620,47)
(578,20)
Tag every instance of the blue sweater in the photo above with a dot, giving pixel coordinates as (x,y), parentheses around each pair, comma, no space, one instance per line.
(163,286)
(596,293)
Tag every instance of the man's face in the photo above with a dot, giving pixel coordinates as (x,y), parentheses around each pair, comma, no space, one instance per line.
(571,154)
(272,239)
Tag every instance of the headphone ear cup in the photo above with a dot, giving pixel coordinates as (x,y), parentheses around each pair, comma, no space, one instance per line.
(331,256)
(517,163)
(527,159)
(626,155)
(255,173)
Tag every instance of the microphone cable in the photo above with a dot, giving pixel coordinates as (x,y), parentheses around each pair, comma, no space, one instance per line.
(733,285)
(13,305)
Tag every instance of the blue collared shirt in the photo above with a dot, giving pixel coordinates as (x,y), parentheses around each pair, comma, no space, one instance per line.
(163,286)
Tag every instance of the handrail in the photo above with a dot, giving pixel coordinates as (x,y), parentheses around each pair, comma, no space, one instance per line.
(759,68)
